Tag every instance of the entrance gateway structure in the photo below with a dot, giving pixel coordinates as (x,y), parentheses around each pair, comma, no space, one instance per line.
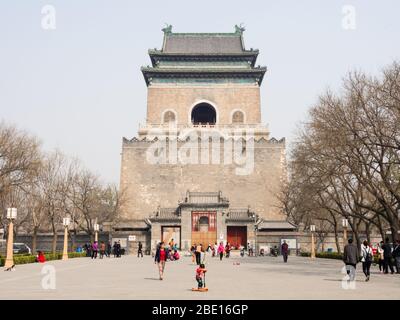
(203,168)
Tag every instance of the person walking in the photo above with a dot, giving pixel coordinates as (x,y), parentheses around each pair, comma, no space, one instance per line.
(108,251)
(140,249)
(115,249)
(198,254)
(160,258)
(221,250)
(215,249)
(102,249)
(171,244)
(379,250)
(366,258)
(249,249)
(95,248)
(351,257)
(396,255)
(119,249)
(387,257)
(285,251)
(193,251)
(227,250)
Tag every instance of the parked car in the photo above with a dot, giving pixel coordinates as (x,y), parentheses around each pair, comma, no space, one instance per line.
(21,248)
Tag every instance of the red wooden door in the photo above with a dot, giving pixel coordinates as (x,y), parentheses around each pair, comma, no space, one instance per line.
(237,236)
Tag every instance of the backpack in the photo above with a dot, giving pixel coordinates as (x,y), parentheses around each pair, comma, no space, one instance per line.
(368,254)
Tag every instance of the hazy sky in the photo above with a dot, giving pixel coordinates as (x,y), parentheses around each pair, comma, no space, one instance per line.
(79,87)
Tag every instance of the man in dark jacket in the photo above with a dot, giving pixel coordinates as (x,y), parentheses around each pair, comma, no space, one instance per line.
(387,257)
(351,257)
(396,255)
(285,251)
(140,249)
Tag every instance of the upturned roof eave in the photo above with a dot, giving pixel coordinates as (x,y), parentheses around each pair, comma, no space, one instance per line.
(159,54)
(203,70)
(195,73)
(155,52)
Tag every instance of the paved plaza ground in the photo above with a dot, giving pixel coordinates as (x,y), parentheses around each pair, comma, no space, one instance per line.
(255,278)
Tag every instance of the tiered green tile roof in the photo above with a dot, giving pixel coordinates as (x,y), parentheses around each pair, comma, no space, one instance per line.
(203,56)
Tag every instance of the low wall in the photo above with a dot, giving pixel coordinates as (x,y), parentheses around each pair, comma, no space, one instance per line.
(303,241)
(44,242)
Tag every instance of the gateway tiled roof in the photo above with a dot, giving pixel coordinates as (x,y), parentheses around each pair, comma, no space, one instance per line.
(280,225)
(203,43)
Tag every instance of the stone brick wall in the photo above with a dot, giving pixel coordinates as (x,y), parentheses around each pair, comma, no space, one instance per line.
(225,98)
(148,186)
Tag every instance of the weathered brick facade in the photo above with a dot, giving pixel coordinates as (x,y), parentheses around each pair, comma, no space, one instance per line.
(207,84)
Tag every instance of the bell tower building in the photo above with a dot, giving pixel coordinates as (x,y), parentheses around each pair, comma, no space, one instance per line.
(203,167)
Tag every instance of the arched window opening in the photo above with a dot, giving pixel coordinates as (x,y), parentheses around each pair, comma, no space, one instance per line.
(204,113)
(203,224)
(238,117)
(169,117)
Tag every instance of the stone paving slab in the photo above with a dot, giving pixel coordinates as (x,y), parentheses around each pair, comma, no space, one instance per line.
(254,278)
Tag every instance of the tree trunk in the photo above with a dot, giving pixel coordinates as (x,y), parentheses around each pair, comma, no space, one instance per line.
(34,240)
(380,228)
(72,235)
(354,227)
(368,232)
(337,239)
(394,228)
(54,245)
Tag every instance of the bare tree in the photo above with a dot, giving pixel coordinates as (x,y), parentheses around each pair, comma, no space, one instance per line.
(346,159)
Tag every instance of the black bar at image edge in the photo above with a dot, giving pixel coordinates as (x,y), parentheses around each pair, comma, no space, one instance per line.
(190,309)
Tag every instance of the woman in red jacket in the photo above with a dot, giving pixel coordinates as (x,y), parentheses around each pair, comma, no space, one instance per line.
(160,258)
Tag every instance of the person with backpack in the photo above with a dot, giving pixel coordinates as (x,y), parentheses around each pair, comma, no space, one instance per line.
(366,258)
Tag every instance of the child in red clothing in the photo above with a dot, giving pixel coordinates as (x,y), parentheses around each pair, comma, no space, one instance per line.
(40,257)
(200,273)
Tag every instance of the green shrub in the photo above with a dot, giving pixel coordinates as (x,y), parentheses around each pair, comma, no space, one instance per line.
(76,254)
(332,255)
(24,259)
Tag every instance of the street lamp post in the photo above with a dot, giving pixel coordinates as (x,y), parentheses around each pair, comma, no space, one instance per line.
(312,229)
(66,222)
(345,224)
(11,215)
(96,232)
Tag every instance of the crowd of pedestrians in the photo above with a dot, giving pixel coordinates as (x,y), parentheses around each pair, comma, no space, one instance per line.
(102,249)
(387,256)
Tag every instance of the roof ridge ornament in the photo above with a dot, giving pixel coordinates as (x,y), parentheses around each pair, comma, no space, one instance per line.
(167,29)
(239,28)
